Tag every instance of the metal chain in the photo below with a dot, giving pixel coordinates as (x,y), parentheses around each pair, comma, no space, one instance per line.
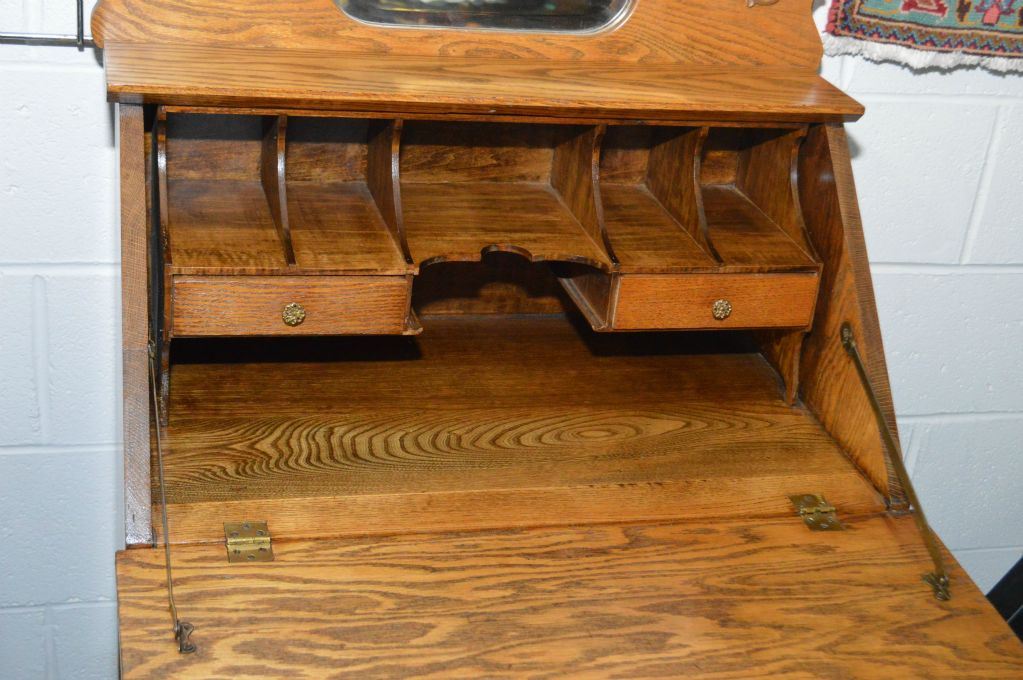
(938,579)
(182,629)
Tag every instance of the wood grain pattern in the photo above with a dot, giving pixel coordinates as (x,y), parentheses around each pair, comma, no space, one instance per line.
(440,152)
(215,146)
(673,176)
(708,32)
(383,179)
(460,221)
(204,76)
(830,386)
(783,349)
(602,427)
(767,175)
(326,149)
(685,301)
(645,236)
(728,599)
(743,234)
(225,227)
(575,174)
(221,223)
(252,305)
(387,514)
(134,323)
(336,227)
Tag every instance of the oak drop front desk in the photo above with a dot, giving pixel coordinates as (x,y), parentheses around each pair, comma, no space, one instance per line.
(508,340)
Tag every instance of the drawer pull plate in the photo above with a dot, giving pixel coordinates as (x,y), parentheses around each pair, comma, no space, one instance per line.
(721,309)
(293,314)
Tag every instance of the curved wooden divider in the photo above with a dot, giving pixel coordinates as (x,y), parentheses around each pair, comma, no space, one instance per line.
(575,173)
(673,177)
(273,171)
(382,176)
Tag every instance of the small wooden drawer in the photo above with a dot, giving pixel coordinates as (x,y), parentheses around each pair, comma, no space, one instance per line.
(714,301)
(290,305)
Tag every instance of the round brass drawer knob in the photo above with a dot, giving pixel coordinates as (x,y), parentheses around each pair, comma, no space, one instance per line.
(721,309)
(293,314)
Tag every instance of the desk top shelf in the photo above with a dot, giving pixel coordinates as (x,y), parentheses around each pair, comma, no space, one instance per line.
(273,194)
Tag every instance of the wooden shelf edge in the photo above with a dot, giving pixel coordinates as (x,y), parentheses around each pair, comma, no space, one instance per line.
(516,508)
(319,80)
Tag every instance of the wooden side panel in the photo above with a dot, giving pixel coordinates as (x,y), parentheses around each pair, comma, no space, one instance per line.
(253,305)
(727,599)
(829,383)
(135,324)
(757,301)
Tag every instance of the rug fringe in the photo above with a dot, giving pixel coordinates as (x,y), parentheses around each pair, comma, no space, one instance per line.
(835,46)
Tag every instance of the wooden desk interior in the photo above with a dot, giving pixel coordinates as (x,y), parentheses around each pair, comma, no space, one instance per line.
(514,421)
(520,342)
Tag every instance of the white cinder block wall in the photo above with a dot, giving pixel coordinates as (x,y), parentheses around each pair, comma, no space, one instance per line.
(939,166)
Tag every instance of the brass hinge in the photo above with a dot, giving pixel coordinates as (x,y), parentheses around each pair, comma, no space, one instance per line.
(248,542)
(816,512)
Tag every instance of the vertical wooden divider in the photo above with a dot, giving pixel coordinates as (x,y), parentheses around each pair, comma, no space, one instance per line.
(383,176)
(782,350)
(273,172)
(768,174)
(575,174)
(164,258)
(673,177)
(384,179)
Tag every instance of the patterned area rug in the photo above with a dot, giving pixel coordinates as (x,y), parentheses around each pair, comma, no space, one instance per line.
(929,33)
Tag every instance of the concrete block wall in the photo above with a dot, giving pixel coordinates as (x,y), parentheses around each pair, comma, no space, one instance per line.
(937,163)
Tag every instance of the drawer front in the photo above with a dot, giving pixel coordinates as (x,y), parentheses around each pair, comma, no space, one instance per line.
(715,301)
(289,305)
